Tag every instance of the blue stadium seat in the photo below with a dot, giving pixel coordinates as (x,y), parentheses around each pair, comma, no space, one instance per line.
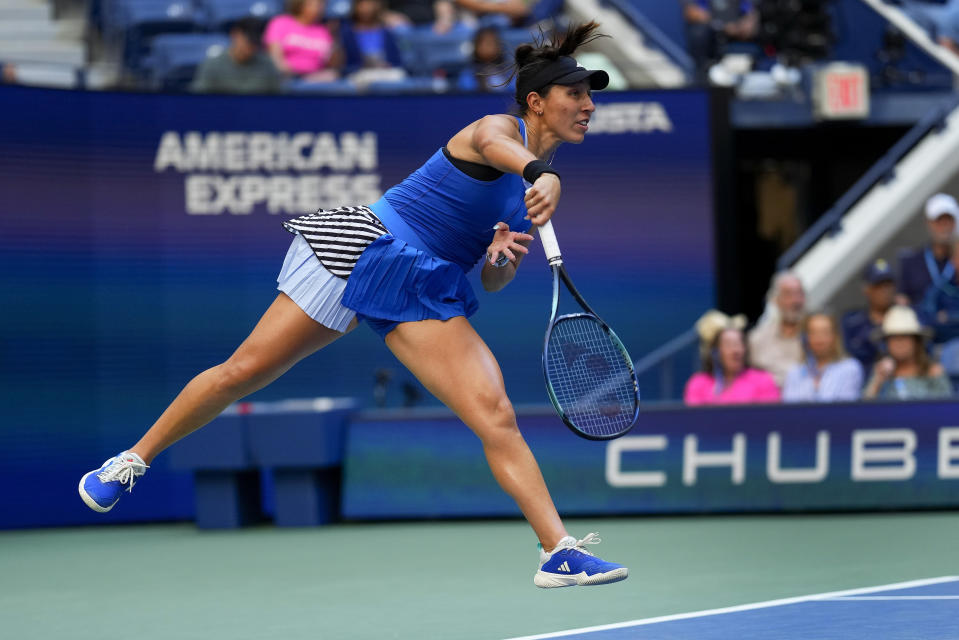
(174,57)
(512,38)
(424,51)
(220,14)
(338,9)
(131,23)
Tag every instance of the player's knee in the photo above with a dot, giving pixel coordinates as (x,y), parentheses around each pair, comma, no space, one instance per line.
(499,419)
(237,376)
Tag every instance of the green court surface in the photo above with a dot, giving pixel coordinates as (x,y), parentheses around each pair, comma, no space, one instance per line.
(437,579)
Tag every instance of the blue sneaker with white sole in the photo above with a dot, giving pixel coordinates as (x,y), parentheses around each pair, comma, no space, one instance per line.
(101,488)
(570,564)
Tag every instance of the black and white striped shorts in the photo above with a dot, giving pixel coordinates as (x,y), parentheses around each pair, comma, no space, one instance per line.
(338,236)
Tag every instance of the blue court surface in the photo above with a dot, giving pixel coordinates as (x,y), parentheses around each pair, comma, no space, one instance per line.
(917,610)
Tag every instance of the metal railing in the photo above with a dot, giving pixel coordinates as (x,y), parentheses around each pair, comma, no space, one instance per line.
(881,172)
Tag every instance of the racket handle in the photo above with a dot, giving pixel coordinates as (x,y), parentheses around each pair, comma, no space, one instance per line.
(550,246)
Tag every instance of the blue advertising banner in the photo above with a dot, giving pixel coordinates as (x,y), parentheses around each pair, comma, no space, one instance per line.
(140,239)
(761,458)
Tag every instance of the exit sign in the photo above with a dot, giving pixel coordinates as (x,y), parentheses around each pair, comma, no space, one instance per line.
(841,91)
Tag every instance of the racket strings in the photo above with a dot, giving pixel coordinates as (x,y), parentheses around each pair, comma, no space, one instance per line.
(591,378)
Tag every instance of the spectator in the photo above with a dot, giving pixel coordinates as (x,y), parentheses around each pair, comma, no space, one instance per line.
(860,327)
(299,45)
(367,44)
(440,14)
(8,73)
(828,375)
(939,308)
(499,13)
(242,68)
(921,268)
(908,372)
(775,342)
(488,70)
(710,24)
(726,377)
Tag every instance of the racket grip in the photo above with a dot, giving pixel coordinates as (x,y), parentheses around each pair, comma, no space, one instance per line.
(550,246)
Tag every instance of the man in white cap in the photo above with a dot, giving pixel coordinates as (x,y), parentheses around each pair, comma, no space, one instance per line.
(921,268)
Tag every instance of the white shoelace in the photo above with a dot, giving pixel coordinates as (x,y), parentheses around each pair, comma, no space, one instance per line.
(589,538)
(123,471)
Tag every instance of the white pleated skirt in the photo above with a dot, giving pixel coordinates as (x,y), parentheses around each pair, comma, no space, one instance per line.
(312,287)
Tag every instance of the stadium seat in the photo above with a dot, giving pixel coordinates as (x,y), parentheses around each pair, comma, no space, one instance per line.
(424,52)
(132,23)
(174,57)
(218,15)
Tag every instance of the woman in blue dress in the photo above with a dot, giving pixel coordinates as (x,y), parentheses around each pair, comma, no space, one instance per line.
(400,266)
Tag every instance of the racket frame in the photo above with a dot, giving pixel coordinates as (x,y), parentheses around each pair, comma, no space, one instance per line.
(555,260)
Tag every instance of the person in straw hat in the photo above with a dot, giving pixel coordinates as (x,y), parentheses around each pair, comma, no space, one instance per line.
(726,377)
(908,372)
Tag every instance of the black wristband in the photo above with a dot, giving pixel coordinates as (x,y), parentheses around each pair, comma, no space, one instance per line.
(535,169)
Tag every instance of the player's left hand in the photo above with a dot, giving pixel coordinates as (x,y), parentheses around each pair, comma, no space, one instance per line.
(506,243)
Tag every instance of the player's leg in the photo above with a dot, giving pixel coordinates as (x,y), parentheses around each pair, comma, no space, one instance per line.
(283,336)
(456,366)
(454,363)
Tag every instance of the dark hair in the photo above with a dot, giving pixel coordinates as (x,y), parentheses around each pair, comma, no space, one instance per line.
(356,2)
(294,7)
(924,361)
(708,357)
(530,58)
(480,33)
(251,28)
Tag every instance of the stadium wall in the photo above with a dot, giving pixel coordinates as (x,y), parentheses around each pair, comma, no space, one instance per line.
(140,239)
(676,460)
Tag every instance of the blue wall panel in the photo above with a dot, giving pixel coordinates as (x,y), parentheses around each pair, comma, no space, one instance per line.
(124,272)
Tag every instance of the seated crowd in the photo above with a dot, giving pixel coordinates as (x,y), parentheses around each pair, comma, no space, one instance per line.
(903,345)
(362,47)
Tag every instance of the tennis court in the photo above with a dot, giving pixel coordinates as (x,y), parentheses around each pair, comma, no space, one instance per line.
(470,579)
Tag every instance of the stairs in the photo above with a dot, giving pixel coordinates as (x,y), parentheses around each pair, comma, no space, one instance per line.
(45,51)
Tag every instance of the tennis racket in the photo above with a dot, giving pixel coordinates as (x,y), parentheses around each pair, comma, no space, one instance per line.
(589,375)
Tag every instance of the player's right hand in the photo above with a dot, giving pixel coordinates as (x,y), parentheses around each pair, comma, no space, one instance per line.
(542,198)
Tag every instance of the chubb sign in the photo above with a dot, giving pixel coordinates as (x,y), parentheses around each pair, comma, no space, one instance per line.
(675,460)
(875,455)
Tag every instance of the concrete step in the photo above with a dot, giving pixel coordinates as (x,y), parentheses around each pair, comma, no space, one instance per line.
(28,30)
(25,11)
(57,52)
(38,30)
(47,75)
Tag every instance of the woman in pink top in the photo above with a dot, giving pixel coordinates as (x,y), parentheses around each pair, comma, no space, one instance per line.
(726,377)
(298,44)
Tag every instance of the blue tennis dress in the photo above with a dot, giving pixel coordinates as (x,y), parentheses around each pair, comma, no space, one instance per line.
(405,257)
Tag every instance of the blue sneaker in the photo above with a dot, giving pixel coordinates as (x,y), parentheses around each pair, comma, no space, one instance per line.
(101,488)
(570,564)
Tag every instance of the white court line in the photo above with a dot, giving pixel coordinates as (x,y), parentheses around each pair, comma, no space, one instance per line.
(855,598)
(743,607)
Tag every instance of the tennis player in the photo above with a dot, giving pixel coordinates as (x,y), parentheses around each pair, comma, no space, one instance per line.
(400,265)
